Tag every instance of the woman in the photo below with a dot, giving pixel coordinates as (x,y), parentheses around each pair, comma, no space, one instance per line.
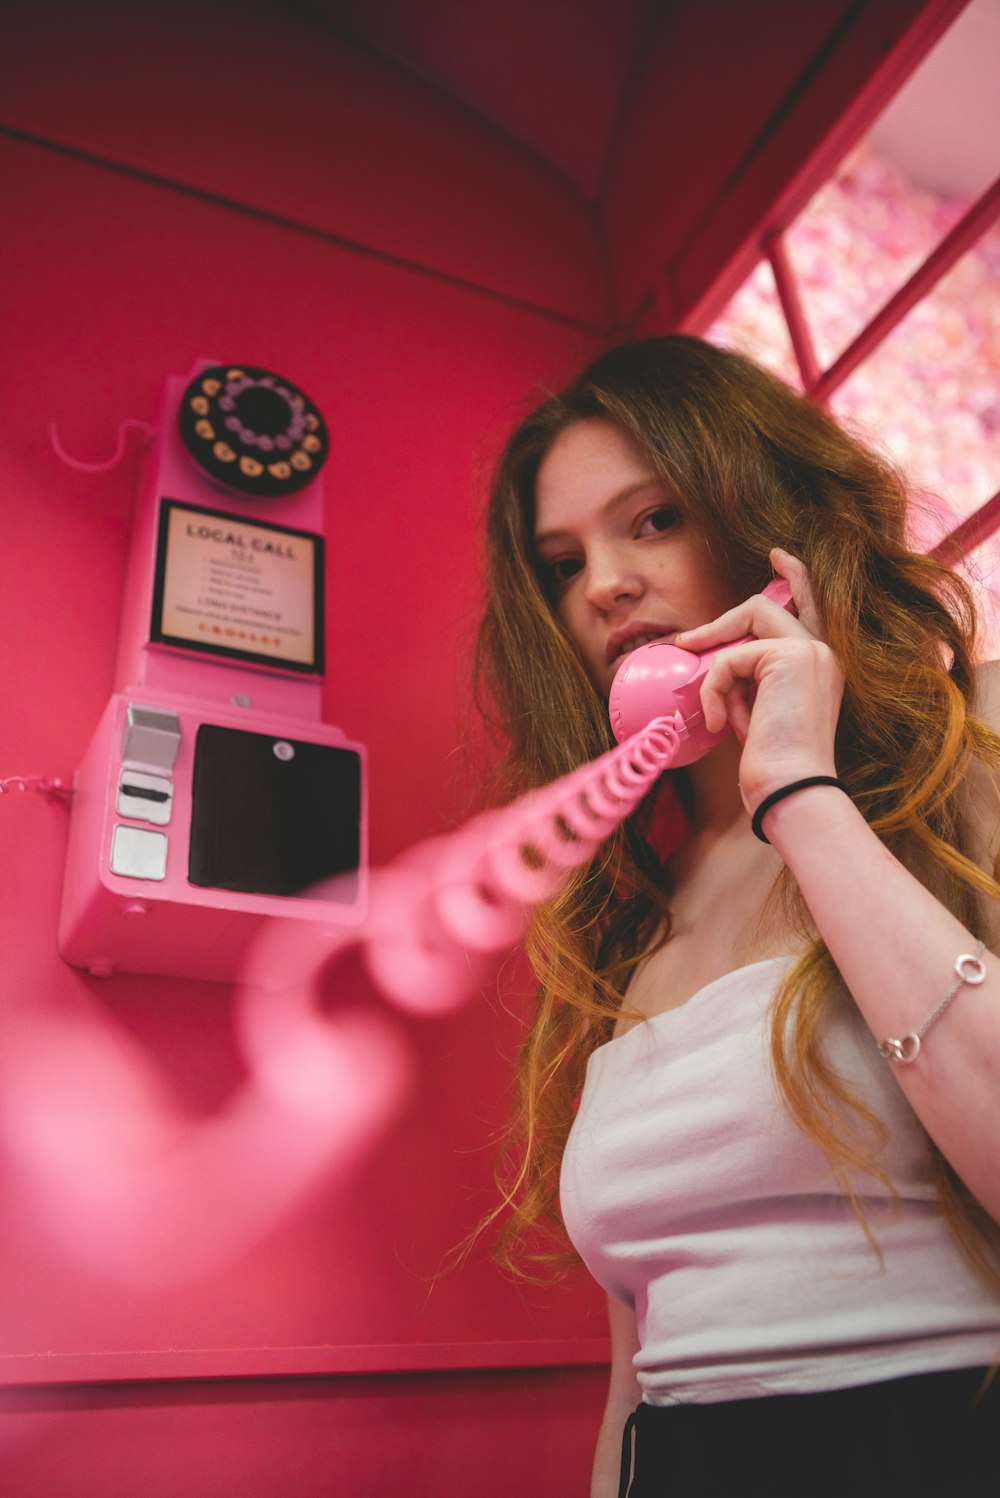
(796,1229)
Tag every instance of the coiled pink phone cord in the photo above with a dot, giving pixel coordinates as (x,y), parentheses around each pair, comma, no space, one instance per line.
(439,911)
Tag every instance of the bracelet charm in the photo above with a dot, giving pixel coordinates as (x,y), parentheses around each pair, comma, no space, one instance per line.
(970,971)
(902,1051)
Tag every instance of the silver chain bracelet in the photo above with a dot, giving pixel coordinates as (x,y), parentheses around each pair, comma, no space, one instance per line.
(970,970)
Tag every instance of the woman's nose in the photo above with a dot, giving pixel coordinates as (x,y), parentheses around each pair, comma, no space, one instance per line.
(611,579)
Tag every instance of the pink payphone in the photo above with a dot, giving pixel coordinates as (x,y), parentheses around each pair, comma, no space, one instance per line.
(212,797)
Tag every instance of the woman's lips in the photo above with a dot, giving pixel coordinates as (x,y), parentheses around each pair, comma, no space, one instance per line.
(634,638)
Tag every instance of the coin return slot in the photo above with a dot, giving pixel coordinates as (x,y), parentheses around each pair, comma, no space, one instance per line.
(145,798)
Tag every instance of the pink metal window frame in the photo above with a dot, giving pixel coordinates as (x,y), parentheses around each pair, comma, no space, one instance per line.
(820,383)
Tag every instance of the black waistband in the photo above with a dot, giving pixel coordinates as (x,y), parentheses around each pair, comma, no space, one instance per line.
(867,1437)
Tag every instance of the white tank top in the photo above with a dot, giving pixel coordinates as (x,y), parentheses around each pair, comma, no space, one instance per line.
(690,1194)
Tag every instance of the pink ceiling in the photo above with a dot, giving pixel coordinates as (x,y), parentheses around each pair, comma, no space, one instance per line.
(550,73)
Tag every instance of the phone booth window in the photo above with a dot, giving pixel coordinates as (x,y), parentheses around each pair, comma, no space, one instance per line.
(881,297)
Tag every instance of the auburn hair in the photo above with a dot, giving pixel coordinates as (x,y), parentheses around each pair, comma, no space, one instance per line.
(754,465)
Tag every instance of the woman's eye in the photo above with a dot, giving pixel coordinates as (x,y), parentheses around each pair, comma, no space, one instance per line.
(663,518)
(562,570)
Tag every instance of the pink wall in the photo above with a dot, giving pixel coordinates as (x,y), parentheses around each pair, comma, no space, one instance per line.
(499,1435)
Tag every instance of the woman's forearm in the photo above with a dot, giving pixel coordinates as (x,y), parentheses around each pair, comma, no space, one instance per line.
(895,946)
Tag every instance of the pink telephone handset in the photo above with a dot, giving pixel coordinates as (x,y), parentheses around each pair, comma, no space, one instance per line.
(659,680)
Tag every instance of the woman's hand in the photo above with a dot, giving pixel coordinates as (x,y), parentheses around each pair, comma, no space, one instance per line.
(780,691)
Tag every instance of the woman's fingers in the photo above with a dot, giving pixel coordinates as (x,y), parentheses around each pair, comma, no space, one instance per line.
(726,686)
(738,709)
(761,616)
(796,574)
(782,699)
(806,668)
(757,616)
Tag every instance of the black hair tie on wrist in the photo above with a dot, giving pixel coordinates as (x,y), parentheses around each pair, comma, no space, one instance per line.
(786,790)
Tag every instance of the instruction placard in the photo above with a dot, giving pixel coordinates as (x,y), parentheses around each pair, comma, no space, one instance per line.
(237,587)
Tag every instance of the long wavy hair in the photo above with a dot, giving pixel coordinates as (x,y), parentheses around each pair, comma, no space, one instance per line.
(754,466)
